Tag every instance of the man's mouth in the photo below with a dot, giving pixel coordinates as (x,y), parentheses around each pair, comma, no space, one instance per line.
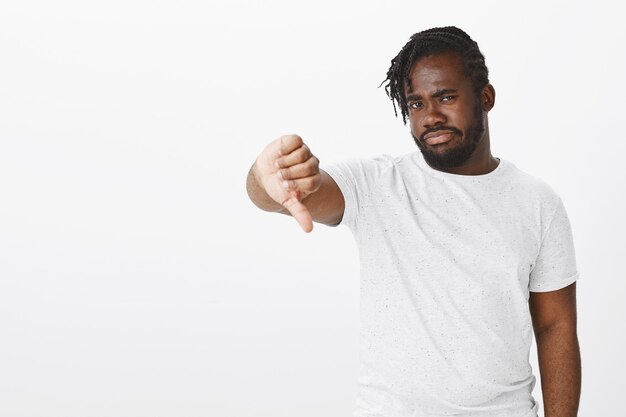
(440,136)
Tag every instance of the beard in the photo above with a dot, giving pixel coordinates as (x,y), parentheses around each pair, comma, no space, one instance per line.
(457,155)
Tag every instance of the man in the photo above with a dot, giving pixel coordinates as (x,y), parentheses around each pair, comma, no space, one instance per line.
(462,254)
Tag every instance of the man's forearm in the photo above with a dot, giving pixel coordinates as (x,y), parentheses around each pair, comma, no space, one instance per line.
(559,364)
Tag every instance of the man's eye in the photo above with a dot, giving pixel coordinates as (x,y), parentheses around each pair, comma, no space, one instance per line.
(448,98)
(415,105)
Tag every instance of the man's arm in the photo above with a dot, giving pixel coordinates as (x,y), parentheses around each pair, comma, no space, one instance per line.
(554,322)
(286,179)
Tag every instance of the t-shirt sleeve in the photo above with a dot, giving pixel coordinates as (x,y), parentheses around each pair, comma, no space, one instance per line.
(357,178)
(555,266)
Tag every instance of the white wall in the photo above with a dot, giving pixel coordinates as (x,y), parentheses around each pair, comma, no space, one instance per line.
(136,279)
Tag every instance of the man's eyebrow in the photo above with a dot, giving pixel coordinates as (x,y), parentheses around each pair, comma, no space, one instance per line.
(436,94)
(443,92)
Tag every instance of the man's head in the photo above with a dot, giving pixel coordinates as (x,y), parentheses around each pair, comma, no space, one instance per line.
(440,82)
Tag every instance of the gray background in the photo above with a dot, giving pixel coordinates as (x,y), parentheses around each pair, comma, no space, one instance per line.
(136,279)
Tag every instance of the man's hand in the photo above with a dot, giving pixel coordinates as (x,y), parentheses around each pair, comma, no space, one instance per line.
(288,172)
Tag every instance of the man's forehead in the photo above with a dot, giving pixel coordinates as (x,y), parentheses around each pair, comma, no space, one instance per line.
(432,73)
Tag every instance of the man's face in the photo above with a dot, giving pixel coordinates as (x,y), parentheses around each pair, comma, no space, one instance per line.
(446,115)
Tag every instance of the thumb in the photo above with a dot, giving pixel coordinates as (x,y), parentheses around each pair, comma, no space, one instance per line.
(300,213)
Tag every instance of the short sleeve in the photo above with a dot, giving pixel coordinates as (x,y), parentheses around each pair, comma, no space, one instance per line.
(343,177)
(555,266)
(357,179)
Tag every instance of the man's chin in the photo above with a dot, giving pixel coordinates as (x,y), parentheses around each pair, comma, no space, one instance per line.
(446,158)
(447,155)
(440,161)
(436,156)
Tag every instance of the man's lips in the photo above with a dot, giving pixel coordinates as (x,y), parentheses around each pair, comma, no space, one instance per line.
(440,136)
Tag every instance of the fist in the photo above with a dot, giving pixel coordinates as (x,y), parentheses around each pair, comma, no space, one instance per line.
(289,172)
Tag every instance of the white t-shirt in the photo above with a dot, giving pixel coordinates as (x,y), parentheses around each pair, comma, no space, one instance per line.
(447,263)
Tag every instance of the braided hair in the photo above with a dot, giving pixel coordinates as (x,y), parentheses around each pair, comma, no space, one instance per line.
(428,43)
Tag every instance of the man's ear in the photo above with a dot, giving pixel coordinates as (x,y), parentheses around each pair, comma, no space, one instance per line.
(488,97)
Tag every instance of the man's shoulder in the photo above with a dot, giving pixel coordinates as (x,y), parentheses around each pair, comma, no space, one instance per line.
(530,185)
(382,159)
(372,165)
(368,173)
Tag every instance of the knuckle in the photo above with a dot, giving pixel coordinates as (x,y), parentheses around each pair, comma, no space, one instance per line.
(289,142)
(312,170)
(285,173)
(293,140)
(303,154)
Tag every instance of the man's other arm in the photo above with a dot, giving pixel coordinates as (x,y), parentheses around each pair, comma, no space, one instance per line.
(554,322)
(285,178)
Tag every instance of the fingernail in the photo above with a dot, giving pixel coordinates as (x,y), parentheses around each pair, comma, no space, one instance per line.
(286,184)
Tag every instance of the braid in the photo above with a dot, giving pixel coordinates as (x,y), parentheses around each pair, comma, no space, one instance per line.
(432,42)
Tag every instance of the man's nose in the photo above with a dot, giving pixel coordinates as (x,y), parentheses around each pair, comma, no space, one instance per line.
(433,116)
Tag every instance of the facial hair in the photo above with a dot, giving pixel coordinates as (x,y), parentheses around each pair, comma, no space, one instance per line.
(457,155)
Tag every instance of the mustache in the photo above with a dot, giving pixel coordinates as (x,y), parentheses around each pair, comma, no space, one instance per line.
(438,128)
